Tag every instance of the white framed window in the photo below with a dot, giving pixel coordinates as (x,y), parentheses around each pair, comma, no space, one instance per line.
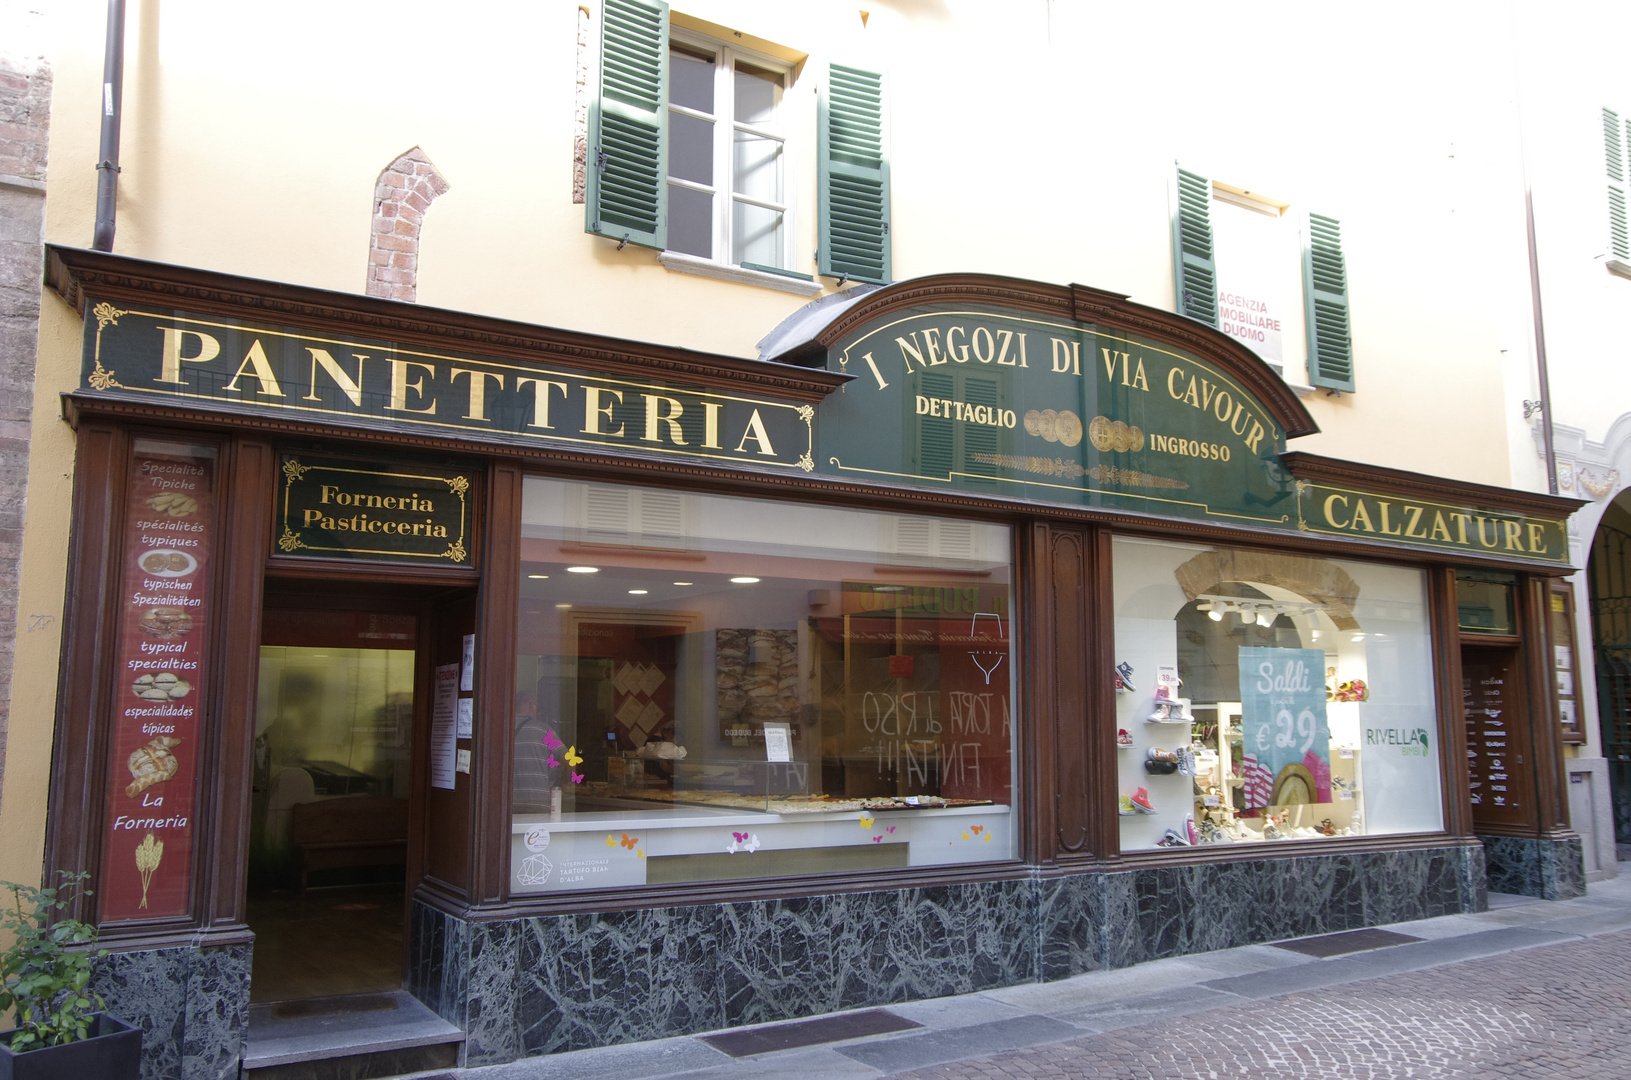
(729,168)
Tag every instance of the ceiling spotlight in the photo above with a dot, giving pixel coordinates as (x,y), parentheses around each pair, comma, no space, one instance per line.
(563,607)
(1215,615)
(682,582)
(583,569)
(744,581)
(539,577)
(1265,619)
(1357,637)
(637,592)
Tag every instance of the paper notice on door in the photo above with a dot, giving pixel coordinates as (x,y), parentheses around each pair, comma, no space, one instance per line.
(443,732)
(467,670)
(467,718)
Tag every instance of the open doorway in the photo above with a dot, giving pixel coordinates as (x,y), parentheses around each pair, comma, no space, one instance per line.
(333,787)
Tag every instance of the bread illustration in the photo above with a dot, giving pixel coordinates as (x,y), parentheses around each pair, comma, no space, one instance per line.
(152,764)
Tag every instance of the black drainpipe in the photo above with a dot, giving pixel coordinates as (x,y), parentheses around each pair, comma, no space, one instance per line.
(107,165)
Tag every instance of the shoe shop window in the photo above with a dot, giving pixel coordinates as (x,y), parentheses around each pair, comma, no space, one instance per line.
(713,688)
(1264,697)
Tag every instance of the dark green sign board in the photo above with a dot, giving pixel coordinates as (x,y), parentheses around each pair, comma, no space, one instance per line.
(357,510)
(1011,405)
(287,372)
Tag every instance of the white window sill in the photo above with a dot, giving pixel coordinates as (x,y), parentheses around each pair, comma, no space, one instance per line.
(1619,266)
(690,264)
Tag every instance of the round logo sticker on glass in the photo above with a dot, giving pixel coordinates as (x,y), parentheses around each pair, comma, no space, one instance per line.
(537,838)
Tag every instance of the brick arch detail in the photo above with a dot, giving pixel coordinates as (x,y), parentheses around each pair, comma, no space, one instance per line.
(1320,580)
(404,191)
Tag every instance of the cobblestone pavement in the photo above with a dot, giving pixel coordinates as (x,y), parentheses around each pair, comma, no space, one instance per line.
(1563,1011)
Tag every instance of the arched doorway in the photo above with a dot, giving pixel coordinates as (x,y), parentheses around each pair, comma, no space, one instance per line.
(1610,583)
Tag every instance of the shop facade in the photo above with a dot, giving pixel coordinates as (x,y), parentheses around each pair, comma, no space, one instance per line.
(981,632)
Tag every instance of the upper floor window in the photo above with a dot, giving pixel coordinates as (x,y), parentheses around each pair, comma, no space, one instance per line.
(1234,258)
(727,156)
(1617,158)
(687,151)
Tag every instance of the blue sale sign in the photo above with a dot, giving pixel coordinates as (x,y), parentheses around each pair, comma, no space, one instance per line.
(1286,755)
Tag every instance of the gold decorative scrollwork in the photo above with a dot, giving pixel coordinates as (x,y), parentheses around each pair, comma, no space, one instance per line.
(806,413)
(806,463)
(106,315)
(101,378)
(289,542)
(458,485)
(294,470)
(455,551)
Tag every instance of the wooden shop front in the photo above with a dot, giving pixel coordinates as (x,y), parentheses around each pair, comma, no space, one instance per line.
(590,690)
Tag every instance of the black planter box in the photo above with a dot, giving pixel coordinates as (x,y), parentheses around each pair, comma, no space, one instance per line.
(113,1052)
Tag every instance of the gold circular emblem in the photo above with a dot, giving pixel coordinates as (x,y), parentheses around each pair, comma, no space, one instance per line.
(1119,439)
(1047,425)
(1070,428)
(1031,419)
(1135,438)
(1098,433)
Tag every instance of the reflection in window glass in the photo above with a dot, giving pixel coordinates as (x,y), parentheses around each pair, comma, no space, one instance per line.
(712,688)
(1264,696)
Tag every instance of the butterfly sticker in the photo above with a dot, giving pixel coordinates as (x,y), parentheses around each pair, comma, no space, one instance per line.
(988,838)
(740,837)
(630,841)
(877,839)
(611,841)
(577,778)
(965,835)
(573,758)
(976,829)
(553,764)
(551,742)
(741,841)
(866,822)
(891,828)
(641,853)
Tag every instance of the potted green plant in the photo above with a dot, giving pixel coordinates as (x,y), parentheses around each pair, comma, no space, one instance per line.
(45,974)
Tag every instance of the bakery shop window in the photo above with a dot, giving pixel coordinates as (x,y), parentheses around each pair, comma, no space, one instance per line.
(1263,697)
(712,688)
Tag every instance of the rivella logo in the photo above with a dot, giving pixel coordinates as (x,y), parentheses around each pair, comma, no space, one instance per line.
(1412,742)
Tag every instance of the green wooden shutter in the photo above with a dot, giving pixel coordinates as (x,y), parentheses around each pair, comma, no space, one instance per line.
(628,125)
(1325,301)
(854,167)
(936,436)
(1614,146)
(1194,267)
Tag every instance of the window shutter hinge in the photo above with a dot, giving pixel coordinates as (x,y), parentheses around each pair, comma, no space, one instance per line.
(600,159)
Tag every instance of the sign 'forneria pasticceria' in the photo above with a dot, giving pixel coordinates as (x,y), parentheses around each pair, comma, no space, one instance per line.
(1015,406)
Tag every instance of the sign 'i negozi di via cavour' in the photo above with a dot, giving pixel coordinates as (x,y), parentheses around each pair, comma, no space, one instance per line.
(1010,405)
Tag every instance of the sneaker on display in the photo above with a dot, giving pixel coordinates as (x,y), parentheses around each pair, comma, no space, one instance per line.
(1124,737)
(1141,800)
(1126,807)
(1124,677)
(1189,827)
(1172,839)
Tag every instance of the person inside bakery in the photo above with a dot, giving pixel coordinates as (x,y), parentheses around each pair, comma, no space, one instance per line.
(533,781)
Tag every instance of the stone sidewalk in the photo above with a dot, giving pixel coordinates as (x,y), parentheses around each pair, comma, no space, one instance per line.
(1529,989)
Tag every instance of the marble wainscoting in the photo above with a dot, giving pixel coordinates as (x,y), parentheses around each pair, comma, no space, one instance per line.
(529,986)
(1110,920)
(1552,869)
(569,982)
(192,1005)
